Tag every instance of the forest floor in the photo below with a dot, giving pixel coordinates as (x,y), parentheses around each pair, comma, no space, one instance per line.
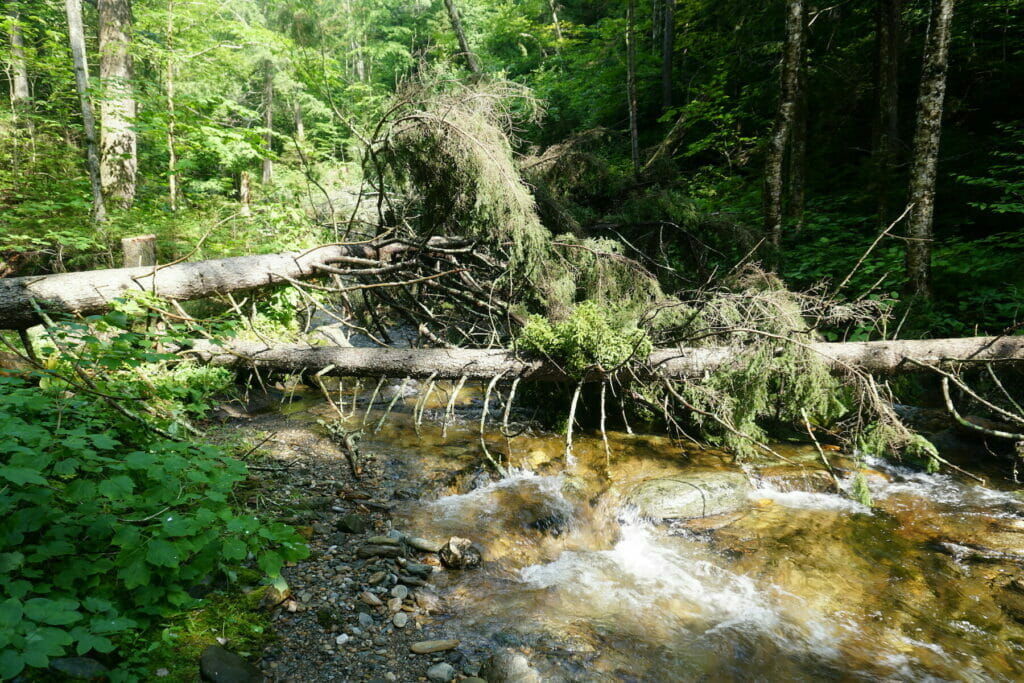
(340,620)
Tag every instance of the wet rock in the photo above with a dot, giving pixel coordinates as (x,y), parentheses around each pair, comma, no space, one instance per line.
(789,478)
(509,667)
(424,647)
(376,578)
(428,601)
(553,525)
(394,604)
(400,620)
(442,672)
(378,551)
(365,620)
(399,592)
(382,540)
(351,524)
(460,553)
(693,494)
(420,570)
(79,668)
(423,545)
(222,666)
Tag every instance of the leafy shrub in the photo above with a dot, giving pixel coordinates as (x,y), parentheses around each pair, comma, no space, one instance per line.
(104,523)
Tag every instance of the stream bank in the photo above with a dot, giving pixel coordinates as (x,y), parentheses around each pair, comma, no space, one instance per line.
(783,580)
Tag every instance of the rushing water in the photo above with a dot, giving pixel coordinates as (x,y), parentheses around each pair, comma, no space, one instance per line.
(797,584)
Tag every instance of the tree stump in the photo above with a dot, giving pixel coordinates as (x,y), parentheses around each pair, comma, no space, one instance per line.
(139,251)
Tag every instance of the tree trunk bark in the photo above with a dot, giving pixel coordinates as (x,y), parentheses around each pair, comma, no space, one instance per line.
(89,292)
(882,357)
(76,38)
(668,48)
(797,189)
(268,122)
(118,141)
(244,192)
(796,15)
(887,126)
(926,148)
(634,134)
(453,16)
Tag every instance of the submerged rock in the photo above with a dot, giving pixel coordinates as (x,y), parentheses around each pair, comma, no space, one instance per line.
(222,666)
(460,553)
(694,494)
(509,667)
(442,672)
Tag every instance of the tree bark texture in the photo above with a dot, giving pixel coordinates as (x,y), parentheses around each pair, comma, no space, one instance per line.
(887,126)
(172,157)
(793,52)
(554,20)
(668,49)
(634,135)
(92,291)
(882,357)
(453,16)
(926,148)
(118,141)
(76,38)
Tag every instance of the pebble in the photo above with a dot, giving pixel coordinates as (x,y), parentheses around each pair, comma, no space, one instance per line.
(400,592)
(394,604)
(365,620)
(342,639)
(427,646)
(376,578)
(400,620)
(370,599)
(442,672)
(382,540)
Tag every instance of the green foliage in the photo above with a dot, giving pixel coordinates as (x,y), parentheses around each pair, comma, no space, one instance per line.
(586,339)
(105,524)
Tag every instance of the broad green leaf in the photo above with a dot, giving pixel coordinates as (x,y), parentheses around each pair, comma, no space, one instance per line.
(163,554)
(117,488)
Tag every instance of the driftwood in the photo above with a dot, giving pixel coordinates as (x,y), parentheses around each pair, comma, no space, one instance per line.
(93,291)
(884,357)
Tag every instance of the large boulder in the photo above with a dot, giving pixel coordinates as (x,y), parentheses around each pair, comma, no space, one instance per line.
(689,495)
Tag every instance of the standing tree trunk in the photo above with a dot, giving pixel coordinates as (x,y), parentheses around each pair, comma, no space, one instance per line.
(172,158)
(796,14)
(668,48)
(634,136)
(453,15)
(926,147)
(797,165)
(268,122)
(887,130)
(554,19)
(118,143)
(76,37)
(19,66)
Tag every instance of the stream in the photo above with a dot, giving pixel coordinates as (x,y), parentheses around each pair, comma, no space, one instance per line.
(780,581)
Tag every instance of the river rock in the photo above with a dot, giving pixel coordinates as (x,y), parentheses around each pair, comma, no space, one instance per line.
(222,666)
(351,524)
(365,620)
(418,569)
(370,599)
(460,553)
(79,668)
(423,545)
(442,672)
(399,591)
(424,647)
(400,620)
(509,667)
(692,494)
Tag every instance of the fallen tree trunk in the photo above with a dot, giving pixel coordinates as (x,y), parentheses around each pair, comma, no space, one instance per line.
(877,357)
(93,291)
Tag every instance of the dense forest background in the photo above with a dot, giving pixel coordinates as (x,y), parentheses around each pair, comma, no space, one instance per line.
(275,100)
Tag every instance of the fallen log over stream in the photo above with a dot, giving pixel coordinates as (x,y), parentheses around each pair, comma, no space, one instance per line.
(883,357)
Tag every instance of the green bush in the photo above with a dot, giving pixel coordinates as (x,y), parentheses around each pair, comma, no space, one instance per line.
(104,523)
(585,339)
